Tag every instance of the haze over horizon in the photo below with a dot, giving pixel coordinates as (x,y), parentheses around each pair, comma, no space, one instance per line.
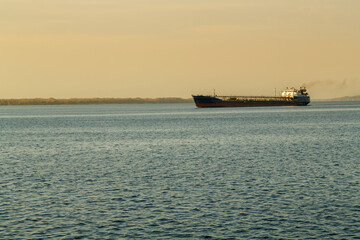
(175,48)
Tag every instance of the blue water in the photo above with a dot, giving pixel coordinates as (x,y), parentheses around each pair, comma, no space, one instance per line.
(171,171)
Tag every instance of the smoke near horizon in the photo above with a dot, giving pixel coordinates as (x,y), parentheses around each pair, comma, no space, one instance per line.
(328,83)
(336,88)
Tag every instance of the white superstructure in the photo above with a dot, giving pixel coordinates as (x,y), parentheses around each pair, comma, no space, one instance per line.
(293,92)
(301,95)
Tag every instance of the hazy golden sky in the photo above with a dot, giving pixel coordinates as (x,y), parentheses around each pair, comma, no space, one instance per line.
(160,48)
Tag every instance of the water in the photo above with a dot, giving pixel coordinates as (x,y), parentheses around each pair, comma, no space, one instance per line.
(171,171)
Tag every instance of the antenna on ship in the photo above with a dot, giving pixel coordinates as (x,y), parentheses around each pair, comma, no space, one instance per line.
(275,92)
(214,92)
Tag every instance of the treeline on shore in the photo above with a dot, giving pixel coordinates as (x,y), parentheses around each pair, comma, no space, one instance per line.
(54,101)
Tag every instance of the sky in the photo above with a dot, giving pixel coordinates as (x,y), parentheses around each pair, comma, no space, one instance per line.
(175,48)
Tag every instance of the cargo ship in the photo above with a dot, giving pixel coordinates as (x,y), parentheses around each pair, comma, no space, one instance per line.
(289,97)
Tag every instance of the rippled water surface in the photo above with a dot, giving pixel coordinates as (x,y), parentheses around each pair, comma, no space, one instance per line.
(171,171)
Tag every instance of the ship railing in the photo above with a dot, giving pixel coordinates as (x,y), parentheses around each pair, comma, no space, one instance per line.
(258,98)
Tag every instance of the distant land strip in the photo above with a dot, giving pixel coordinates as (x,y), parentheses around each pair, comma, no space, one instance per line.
(73,101)
(347,98)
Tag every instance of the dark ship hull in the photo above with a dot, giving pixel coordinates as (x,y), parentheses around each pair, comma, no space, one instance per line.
(210,102)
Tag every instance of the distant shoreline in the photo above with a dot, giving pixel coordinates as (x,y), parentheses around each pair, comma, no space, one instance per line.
(79,101)
(341,99)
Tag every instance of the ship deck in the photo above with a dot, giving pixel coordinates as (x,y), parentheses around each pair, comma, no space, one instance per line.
(253,98)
